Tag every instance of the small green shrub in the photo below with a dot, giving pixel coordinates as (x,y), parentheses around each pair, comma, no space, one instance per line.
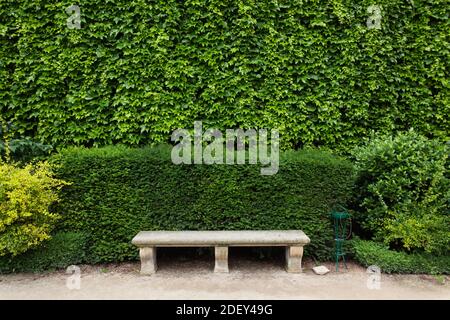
(19,147)
(371,253)
(402,192)
(25,197)
(116,192)
(62,250)
(25,149)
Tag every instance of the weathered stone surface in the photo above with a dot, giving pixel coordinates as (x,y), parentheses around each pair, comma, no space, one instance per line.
(148,260)
(294,256)
(227,238)
(221,256)
(321,270)
(147,241)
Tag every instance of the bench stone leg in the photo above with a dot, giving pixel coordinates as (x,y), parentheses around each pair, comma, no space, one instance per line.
(294,256)
(148,260)
(221,254)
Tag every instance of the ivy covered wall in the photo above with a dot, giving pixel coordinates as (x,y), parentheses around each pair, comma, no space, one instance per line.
(136,70)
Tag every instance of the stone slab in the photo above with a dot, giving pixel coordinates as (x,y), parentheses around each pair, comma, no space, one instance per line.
(321,270)
(217,238)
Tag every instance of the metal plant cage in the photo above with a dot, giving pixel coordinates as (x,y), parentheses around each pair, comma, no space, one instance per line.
(342,231)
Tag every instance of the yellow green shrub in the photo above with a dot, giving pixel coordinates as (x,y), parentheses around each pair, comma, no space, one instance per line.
(26,194)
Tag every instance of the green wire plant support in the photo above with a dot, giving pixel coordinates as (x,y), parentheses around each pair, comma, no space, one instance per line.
(342,231)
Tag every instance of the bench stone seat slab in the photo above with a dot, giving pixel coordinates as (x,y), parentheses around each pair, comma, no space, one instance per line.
(148,241)
(212,238)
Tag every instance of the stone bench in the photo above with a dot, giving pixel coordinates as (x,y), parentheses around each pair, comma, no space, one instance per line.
(148,241)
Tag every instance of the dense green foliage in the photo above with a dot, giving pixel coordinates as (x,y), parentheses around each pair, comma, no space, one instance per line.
(371,253)
(402,192)
(25,149)
(117,192)
(26,194)
(20,148)
(62,250)
(136,70)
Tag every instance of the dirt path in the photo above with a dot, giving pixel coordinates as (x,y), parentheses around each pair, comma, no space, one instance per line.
(248,279)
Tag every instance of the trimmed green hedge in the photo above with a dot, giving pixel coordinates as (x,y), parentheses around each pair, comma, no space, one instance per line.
(117,192)
(137,70)
(371,253)
(62,250)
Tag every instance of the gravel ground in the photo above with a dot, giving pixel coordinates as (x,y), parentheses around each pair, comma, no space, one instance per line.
(192,278)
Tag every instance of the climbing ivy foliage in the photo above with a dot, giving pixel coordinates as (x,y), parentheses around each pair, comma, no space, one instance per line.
(138,69)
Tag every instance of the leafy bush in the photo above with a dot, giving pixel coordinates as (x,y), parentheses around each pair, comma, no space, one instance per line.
(116,192)
(403,192)
(62,250)
(137,70)
(371,253)
(25,149)
(25,196)
(20,148)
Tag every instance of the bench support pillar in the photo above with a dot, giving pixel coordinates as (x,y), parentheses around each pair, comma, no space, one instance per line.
(221,256)
(294,256)
(148,260)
